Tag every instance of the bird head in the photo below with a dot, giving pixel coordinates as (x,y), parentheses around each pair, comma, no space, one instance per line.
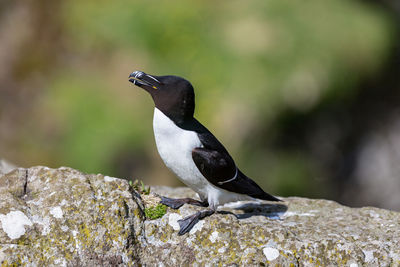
(173,95)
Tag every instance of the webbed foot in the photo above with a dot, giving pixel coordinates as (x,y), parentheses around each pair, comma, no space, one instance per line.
(176,203)
(172,202)
(187,223)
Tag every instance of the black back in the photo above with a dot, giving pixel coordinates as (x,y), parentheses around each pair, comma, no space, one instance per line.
(218,167)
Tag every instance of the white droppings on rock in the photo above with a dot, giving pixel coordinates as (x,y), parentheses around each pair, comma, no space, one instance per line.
(57,212)
(173,220)
(369,255)
(109,179)
(353,265)
(221,250)
(64,228)
(43,222)
(13,223)
(271,253)
(213,237)
(198,226)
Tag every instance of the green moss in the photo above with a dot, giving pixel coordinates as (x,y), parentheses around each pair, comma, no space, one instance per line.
(156,212)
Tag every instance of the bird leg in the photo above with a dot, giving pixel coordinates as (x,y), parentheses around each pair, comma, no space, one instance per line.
(187,223)
(176,203)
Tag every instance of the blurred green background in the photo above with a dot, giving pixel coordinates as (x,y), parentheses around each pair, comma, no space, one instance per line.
(305,81)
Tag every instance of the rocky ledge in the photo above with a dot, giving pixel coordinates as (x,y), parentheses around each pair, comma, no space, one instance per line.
(62,217)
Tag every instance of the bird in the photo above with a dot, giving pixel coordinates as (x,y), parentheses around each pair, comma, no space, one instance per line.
(191,151)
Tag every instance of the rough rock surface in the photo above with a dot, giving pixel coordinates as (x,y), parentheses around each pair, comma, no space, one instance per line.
(300,232)
(62,217)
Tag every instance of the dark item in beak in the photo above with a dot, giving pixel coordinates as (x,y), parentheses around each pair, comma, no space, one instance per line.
(143,80)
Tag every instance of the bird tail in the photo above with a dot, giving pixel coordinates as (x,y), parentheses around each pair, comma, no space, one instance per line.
(265,196)
(244,185)
(255,191)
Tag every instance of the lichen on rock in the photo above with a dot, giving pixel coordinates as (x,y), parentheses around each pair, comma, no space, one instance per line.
(62,217)
(299,232)
(65,217)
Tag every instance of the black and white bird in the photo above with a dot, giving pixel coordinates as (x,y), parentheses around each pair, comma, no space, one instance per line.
(191,151)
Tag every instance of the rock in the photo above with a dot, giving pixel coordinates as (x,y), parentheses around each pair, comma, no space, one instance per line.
(300,232)
(63,217)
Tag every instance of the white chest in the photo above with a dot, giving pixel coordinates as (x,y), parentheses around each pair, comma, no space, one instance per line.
(175,147)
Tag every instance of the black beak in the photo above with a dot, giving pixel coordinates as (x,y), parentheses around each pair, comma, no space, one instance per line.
(142,79)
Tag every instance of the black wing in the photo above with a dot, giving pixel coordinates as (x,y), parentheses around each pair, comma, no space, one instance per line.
(218,167)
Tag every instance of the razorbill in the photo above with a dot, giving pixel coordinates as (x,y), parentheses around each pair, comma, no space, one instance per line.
(191,151)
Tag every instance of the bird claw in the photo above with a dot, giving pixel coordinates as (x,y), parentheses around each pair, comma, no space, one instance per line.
(172,203)
(187,223)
